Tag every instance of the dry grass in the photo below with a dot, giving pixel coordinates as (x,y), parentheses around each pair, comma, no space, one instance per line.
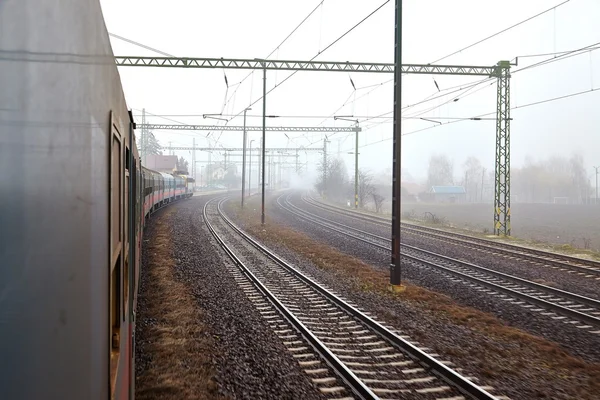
(507,342)
(179,350)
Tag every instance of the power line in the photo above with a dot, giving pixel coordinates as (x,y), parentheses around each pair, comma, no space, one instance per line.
(429,98)
(240,82)
(296,28)
(484,115)
(500,32)
(279,45)
(563,55)
(353,93)
(140,45)
(549,54)
(319,53)
(568,54)
(468,93)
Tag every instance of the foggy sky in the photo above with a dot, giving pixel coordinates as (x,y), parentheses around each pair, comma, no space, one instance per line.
(431,28)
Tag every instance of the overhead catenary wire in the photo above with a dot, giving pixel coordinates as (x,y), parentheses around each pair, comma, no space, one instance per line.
(556,53)
(564,56)
(561,56)
(476,117)
(469,92)
(320,52)
(500,32)
(140,45)
(281,44)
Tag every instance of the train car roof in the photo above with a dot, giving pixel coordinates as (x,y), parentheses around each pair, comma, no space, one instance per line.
(166,175)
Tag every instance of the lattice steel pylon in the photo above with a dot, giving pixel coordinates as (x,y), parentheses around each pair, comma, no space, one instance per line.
(502,169)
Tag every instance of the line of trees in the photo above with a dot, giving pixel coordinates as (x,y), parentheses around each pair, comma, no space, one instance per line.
(534,182)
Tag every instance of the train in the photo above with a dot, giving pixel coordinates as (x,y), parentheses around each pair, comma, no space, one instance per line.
(75,198)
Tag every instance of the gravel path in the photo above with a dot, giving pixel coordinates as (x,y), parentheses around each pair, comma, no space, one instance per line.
(579,342)
(541,274)
(250,360)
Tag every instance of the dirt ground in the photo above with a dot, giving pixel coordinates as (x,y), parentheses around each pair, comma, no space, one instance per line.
(570,224)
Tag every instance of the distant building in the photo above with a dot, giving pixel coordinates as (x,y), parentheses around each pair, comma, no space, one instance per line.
(411,191)
(161,163)
(447,194)
(215,172)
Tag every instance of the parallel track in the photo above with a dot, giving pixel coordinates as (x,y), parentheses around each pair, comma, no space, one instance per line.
(587,268)
(370,358)
(583,310)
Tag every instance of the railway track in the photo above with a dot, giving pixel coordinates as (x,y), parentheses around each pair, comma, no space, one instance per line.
(583,312)
(585,268)
(338,345)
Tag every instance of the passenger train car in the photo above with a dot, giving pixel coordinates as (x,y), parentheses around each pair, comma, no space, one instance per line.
(75,198)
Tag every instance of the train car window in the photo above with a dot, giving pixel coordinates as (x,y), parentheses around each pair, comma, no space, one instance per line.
(116,193)
(116,176)
(126,223)
(115,294)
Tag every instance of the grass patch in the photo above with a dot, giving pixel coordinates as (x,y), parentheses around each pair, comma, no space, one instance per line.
(179,365)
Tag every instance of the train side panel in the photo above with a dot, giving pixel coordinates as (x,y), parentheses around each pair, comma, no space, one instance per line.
(65,131)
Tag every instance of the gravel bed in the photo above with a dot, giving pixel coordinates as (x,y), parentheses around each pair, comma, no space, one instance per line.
(250,360)
(545,275)
(271,275)
(468,350)
(577,341)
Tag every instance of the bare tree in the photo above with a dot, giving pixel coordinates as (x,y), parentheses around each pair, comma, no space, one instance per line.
(472,182)
(335,183)
(365,187)
(440,171)
(377,200)
(544,180)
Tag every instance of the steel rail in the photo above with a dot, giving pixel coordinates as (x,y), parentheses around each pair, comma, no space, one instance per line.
(450,376)
(357,386)
(334,225)
(538,256)
(531,285)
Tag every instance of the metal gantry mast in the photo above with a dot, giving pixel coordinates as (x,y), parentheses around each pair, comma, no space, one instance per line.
(502,166)
(501,71)
(324,66)
(232,128)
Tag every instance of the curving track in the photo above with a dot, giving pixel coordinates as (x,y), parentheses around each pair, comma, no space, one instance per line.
(579,266)
(559,305)
(345,352)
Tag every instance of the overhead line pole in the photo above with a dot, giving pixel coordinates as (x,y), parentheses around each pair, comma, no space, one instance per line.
(357,129)
(596,168)
(395,266)
(264,145)
(502,168)
(244,158)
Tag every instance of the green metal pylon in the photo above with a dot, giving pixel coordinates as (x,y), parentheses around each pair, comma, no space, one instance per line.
(502,175)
